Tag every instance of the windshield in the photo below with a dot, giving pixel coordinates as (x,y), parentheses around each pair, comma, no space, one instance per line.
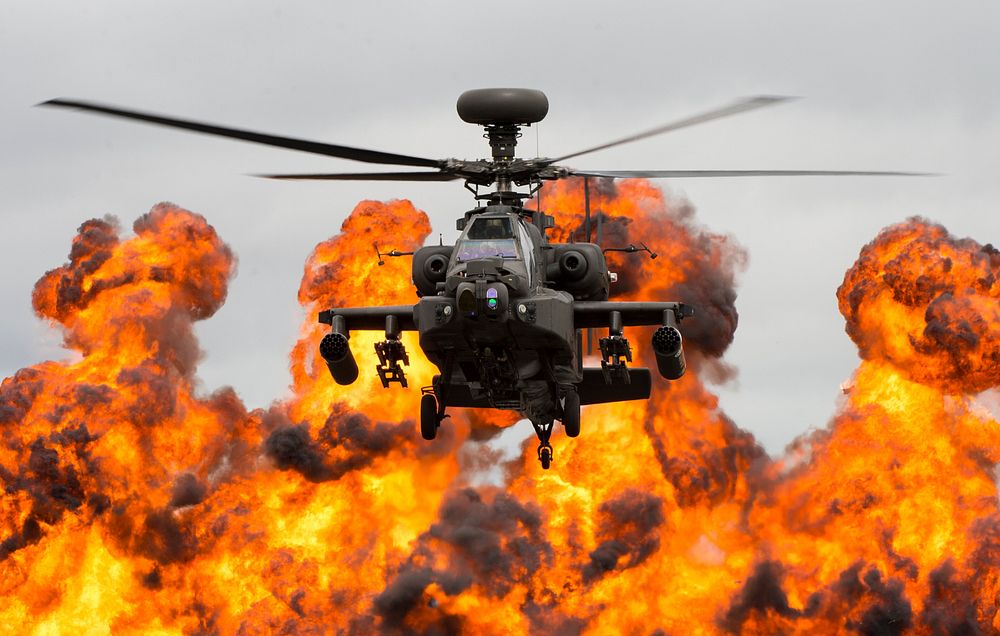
(472,250)
(491,229)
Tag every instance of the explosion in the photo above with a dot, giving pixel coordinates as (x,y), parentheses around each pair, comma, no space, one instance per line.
(134,502)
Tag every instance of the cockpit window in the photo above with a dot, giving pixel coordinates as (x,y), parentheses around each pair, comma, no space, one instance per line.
(491,229)
(472,250)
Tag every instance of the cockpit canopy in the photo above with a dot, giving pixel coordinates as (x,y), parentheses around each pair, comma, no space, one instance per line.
(471,250)
(491,228)
(487,237)
(497,244)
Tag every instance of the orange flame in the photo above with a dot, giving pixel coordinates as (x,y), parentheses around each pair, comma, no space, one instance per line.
(929,304)
(134,504)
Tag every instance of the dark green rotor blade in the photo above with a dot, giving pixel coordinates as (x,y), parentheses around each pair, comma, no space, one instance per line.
(315,147)
(741,106)
(364,176)
(682,174)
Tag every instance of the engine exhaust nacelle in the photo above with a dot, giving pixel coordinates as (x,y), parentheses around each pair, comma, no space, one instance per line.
(430,268)
(578,268)
(669,352)
(336,351)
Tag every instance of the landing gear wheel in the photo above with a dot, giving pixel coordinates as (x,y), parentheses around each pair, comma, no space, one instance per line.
(428,416)
(571,413)
(544,431)
(545,455)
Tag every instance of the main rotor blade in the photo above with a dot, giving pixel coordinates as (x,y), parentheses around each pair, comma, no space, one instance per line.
(726,111)
(682,174)
(315,147)
(365,176)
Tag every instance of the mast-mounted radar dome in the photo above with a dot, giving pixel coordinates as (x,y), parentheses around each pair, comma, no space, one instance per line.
(502,106)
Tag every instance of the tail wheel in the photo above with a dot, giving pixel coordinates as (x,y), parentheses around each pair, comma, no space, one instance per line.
(428,416)
(546,457)
(571,413)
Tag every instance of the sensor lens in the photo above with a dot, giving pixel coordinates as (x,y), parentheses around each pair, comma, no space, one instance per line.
(467,301)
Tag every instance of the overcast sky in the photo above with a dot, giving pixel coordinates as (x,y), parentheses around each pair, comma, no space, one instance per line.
(886,86)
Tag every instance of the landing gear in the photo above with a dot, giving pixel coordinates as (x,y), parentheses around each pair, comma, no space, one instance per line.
(544,431)
(545,455)
(571,413)
(429,421)
(434,400)
(570,421)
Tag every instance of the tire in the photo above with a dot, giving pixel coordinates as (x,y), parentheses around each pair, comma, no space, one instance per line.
(428,417)
(571,413)
(546,458)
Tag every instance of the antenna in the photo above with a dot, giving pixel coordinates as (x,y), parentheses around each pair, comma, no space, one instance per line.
(586,225)
(393,253)
(632,249)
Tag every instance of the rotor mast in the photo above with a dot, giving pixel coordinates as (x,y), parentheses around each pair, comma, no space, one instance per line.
(503,140)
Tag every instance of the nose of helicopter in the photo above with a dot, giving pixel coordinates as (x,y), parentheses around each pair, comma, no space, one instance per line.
(482,299)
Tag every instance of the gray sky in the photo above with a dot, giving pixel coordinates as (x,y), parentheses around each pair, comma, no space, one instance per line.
(887,86)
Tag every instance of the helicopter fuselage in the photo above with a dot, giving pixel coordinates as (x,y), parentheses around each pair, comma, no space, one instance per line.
(501,335)
(500,314)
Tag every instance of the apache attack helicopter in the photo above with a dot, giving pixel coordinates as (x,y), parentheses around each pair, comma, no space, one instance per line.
(501,312)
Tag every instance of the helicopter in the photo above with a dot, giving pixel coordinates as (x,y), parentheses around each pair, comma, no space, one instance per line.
(502,311)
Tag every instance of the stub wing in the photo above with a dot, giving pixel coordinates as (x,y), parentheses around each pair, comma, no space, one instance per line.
(599,313)
(615,349)
(371,318)
(335,347)
(586,314)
